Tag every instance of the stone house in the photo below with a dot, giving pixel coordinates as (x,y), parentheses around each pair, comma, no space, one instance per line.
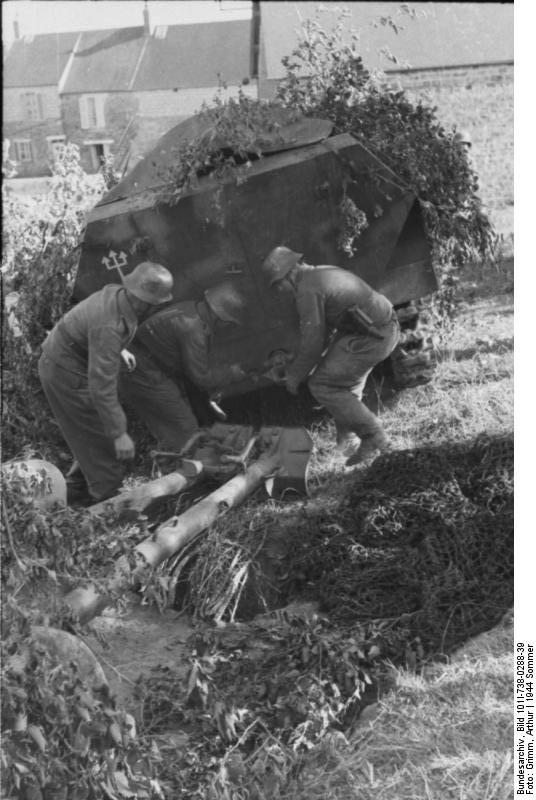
(32,122)
(115,92)
(458,57)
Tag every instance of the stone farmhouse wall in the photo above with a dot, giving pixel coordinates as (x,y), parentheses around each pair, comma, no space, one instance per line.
(160,110)
(479,100)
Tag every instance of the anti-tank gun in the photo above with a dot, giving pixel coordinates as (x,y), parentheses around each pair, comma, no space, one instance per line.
(323,195)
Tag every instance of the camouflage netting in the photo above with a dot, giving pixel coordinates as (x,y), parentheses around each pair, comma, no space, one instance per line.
(422,538)
(426,532)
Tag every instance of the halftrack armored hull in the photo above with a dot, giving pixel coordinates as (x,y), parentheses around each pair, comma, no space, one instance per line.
(223,230)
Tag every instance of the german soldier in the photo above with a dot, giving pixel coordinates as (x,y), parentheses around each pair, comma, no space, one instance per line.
(364,331)
(176,342)
(79,371)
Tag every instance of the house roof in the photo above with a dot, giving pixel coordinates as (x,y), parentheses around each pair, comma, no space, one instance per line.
(174,56)
(445,35)
(105,61)
(37,60)
(192,56)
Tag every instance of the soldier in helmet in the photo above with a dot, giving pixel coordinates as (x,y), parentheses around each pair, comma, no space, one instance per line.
(177,342)
(79,371)
(465,138)
(362,329)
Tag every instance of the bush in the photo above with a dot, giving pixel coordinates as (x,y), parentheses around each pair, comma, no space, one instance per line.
(325,77)
(40,255)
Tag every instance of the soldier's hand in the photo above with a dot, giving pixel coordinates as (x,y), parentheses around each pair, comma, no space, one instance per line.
(124,447)
(291,385)
(129,359)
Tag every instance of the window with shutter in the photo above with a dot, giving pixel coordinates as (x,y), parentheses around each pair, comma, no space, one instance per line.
(99,109)
(23,150)
(82,105)
(92,111)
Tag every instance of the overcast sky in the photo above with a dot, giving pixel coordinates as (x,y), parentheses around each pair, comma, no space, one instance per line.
(51,16)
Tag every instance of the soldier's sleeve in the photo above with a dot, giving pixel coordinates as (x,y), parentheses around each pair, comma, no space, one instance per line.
(104,362)
(196,360)
(310,307)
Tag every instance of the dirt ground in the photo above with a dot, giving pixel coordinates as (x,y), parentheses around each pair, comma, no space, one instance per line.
(131,643)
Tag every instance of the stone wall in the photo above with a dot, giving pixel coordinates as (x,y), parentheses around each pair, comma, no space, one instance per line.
(479,100)
(150,129)
(186,102)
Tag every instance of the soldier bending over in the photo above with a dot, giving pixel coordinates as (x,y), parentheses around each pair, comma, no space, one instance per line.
(331,300)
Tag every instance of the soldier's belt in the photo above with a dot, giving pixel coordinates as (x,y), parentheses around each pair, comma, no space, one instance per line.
(355,320)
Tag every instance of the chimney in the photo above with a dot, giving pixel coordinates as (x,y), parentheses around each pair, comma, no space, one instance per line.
(16,28)
(146,26)
(255,39)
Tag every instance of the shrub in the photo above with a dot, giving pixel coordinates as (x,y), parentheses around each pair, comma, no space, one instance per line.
(325,77)
(40,255)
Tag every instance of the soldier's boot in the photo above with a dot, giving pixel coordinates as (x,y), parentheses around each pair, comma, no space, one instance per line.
(370,445)
(346,440)
(77,488)
(78,495)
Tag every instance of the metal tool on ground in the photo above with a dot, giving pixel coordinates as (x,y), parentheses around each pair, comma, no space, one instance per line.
(280,463)
(242,457)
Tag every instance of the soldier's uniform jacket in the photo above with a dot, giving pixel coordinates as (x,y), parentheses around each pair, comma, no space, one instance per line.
(323,295)
(179,339)
(88,341)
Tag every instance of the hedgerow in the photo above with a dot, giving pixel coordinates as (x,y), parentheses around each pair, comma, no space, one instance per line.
(40,252)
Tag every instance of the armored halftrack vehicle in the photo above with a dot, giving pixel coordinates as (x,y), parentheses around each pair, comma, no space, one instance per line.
(294,195)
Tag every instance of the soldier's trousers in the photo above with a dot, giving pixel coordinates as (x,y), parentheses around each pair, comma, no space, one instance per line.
(159,402)
(68,396)
(339,380)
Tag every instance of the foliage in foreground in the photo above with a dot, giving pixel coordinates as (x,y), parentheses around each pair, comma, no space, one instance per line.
(39,259)
(62,737)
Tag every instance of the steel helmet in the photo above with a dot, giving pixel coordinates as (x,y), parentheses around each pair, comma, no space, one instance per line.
(226,302)
(465,138)
(150,282)
(279,262)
